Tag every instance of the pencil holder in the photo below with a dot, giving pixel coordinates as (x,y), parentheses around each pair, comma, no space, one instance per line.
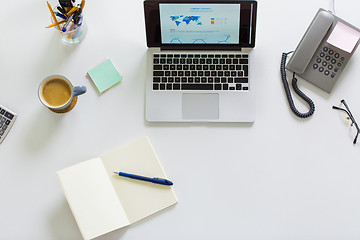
(70,31)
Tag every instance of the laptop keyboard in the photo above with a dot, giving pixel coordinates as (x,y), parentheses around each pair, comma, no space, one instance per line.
(218,72)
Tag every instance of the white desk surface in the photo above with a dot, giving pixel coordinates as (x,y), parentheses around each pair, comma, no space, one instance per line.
(278,178)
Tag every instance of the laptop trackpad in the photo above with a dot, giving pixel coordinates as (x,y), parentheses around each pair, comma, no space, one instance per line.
(200,106)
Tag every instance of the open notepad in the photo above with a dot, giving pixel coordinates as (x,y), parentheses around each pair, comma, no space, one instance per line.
(102,201)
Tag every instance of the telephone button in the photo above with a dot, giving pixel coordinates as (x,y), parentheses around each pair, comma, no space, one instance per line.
(326,72)
(332,75)
(315,66)
(324,63)
(321,69)
(327,58)
(330,66)
(331,52)
(322,54)
(318,60)
(337,55)
(325,49)
(333,61)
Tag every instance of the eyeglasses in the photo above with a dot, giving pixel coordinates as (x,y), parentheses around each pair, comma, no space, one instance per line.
(350,117)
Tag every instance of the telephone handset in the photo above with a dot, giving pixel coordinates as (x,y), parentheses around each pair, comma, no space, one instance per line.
(321,55)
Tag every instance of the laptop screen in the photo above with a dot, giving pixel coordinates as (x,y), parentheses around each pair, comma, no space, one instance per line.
(199,23)
(195,24)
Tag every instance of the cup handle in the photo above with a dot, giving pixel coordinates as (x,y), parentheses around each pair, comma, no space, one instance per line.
(78,90)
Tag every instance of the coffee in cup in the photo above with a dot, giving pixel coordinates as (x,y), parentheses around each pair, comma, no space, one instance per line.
(56,92)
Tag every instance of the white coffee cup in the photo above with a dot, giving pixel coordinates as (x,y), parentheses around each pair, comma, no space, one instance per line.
(56,92)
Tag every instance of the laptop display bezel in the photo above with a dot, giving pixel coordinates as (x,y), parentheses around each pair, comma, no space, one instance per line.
(248,10)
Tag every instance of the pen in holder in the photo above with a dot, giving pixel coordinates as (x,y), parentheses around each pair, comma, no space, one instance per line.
(69,22)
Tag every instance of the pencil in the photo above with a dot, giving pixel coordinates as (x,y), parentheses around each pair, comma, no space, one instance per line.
(53,16)
(55,24)
(72,11)
(72,27)
(82,4)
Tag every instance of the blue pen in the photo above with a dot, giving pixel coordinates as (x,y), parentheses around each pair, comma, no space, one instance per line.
(147,179)
(67,23)
(61,15)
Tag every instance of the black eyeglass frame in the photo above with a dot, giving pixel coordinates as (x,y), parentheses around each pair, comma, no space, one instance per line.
(351,117)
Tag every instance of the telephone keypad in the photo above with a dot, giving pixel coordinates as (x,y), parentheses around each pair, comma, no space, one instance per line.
(330,59)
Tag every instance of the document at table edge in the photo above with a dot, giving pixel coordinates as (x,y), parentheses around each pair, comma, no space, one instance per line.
(102,202)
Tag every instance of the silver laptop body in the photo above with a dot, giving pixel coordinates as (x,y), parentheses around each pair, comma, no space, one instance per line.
(177,89)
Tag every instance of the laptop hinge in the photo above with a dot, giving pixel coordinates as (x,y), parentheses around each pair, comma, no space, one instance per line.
(199,47)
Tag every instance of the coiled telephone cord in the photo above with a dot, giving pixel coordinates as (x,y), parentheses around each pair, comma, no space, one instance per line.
(296,89)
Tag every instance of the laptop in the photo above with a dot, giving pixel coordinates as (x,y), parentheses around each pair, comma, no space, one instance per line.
(198,60)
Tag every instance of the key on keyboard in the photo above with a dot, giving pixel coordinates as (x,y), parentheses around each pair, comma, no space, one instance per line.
(227,72)
(7,119)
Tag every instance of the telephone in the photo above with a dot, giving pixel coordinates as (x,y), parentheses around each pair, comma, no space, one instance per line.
(321,55)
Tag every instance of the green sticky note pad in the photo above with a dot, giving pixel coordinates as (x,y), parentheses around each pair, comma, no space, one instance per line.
(105,75)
